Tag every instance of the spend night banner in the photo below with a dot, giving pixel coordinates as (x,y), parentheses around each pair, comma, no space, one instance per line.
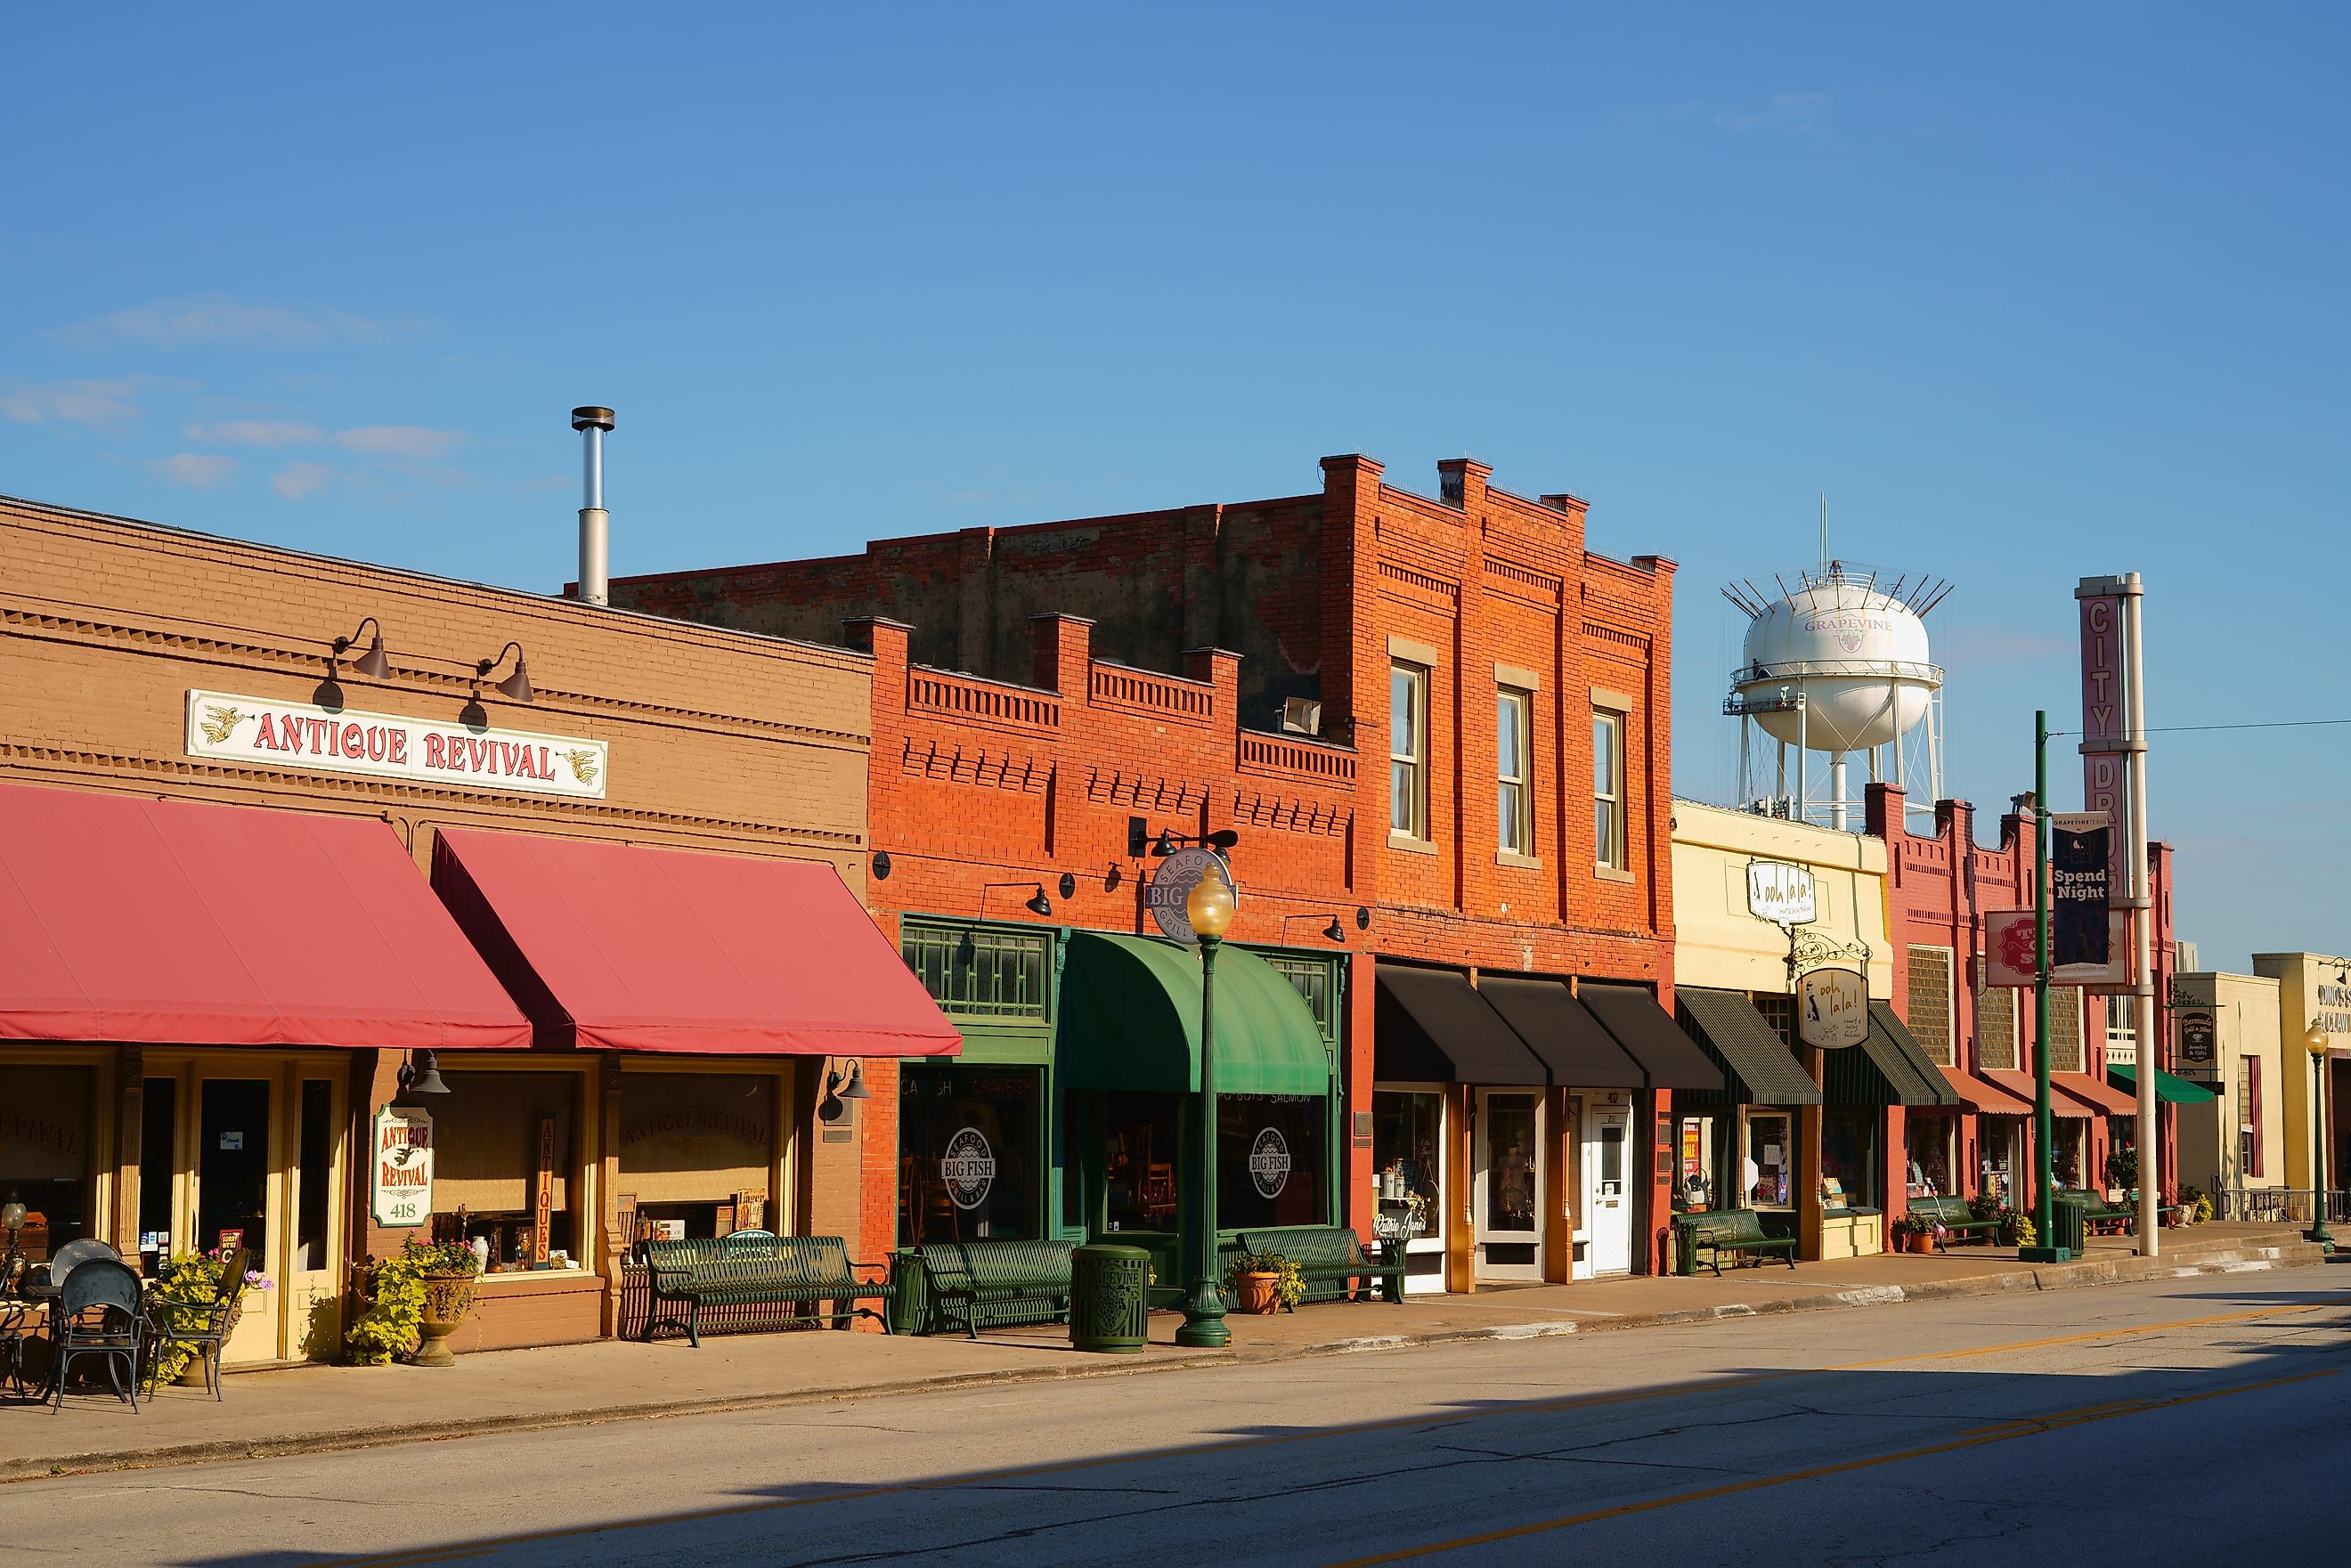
(2078,886)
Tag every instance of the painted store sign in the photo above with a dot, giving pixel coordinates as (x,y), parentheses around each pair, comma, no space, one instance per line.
(401,1183)
(299,737)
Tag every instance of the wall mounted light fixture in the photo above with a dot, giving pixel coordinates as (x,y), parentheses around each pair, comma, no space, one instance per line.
(515,686)
(371,664)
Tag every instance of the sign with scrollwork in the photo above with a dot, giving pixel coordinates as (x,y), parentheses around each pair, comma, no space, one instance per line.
(302,738)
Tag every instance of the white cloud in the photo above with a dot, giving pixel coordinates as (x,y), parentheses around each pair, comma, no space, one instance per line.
(92,403)
(254,433)
(196,320)
(1790,113)
(398,441)
(199,470)
(297,481)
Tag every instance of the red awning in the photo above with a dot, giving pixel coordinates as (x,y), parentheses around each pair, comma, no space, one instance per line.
(1985,1099)
(2020,1084)
(615,948)
(162,922)
(2107,1100)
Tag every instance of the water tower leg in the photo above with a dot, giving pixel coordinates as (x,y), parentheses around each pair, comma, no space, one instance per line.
(1836,791)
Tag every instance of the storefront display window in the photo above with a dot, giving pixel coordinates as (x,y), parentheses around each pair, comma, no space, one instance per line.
(1932,1163)
(1269,1155)
(1695,1150)
(1849,1155)
(967,1146)
(1405,1133)
(2072,1136)
(1141,1161)
(696,1152)
(45,1154)
(233,1164)
(494,1135)
(1767,1160)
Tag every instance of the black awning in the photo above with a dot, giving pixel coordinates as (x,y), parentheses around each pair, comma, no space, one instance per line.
(1430,1026)
(1759,1069)
(1562,1033)
(1634,1020)
(1915,1077)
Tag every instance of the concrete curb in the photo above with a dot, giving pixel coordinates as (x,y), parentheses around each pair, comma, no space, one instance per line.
(2048,1277)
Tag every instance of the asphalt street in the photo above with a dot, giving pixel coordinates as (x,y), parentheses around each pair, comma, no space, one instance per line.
(2179,1422)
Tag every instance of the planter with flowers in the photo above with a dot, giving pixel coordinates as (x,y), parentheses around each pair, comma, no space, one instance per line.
(1263,1282)
(419,1295)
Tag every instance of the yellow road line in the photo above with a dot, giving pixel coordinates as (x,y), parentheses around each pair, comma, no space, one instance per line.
(2024,1428)
(417,1556)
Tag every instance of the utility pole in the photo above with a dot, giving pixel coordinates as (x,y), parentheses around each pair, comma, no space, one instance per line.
(2044,1207)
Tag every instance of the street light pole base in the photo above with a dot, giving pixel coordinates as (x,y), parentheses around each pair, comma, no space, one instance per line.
(2045,1254)
(2322,1236)
(1203,1320)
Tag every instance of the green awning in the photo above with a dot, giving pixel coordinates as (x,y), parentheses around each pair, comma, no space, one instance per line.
(1129,1019)
(1897,1054)
(1757,1068)
(2168,1086)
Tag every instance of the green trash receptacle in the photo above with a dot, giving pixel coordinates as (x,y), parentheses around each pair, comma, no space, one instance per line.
(1110,1299)
(910,1296)
(2069,1225)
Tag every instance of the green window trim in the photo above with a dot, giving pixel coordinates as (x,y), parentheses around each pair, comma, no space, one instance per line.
(1000,975)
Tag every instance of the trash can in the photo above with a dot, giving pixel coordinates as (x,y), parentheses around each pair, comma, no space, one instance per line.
(2069,1225)
(910,1296)
(1110,1299)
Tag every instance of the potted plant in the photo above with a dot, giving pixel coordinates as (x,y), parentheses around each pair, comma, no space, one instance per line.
(1265,1282)
(2017,1229)
(1918,1233)
(185,1291)
(420,1294)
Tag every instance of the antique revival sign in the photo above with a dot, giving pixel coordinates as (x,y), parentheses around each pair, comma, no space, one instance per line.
(1832,1008)
(1781,893)
(299,737)
(401,1183)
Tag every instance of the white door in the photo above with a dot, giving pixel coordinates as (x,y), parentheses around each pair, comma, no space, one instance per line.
(1607,1197)
(1509,1231)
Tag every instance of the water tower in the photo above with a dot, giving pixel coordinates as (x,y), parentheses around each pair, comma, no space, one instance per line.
(1837,663)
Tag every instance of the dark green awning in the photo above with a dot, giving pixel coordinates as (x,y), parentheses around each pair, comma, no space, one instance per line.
(1896,1052)
(2167,1086)
(1130,1019)
(1757,1068)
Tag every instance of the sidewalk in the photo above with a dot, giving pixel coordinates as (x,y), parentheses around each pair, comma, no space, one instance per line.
(308,1408)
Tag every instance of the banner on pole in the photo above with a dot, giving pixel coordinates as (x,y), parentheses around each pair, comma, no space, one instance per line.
(2008,958)
(2079,889)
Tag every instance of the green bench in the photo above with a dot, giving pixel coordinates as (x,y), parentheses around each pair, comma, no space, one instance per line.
(1954,1217)
(1736,1231)
(2097,1211)
(1330,1259)
(755,1268)
(997,1284)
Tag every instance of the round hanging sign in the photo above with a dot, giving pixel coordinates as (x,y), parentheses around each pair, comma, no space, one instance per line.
(1270,1163)
(1176,876)
(968,1167)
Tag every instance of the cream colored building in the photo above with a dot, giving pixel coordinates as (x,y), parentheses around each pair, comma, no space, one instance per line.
(1812,1136)
(2230,1041)
(2311,987)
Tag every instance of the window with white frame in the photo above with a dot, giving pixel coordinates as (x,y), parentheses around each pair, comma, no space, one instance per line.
(1408,750)
(1608,789)
(1514,804)
(2122,1036)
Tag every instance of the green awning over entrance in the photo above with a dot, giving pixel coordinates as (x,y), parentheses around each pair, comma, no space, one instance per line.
(1129,1019)
(1757,1068)
(2168,1086)
(1897,1055)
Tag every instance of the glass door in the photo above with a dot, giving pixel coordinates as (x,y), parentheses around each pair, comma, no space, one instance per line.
(1510,1165)
(1607,1195)
(309,1288)
(236,1200)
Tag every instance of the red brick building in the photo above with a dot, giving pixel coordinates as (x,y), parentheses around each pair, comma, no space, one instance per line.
(1041,691)
(1938,890)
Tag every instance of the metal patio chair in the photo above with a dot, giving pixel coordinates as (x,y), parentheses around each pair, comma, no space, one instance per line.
(96,1314)
(202,1326)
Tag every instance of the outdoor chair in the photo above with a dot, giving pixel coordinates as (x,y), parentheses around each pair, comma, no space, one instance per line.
(202,1326)
(73,1254)
(96,1314)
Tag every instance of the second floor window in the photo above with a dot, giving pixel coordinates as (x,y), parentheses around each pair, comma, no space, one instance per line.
(1608,789)
(1514,803)
(1408,750)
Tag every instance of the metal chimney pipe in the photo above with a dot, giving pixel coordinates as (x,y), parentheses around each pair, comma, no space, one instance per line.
(595,523)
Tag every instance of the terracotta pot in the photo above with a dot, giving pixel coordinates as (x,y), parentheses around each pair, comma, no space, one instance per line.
(1918,1241)
(447,1299)
(1258,1293)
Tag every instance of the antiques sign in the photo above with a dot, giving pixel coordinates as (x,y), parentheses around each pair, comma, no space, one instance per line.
(1832,1008)
(299,737)
(1781,893)
(401,1178)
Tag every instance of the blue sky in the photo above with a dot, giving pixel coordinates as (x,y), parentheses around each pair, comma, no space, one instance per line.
(2031,294)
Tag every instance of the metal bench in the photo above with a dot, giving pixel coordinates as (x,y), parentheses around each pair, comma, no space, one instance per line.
(755,1268)
(2097,1211)
(1954,1217)
(1737,1231)
(1330,1259)
(997,1284)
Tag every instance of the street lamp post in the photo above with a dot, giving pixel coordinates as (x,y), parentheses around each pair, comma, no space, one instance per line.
(1209,908)
(2314,1039)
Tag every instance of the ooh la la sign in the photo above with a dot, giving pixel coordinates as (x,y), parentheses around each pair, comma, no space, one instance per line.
(1832,1008)
(1781,893)
(299,737)
(400,1181)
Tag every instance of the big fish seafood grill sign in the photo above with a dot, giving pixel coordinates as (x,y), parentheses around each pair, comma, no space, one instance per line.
(299,737)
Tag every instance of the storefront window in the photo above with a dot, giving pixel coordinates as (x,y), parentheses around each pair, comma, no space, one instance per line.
(1269,1161)
(1141,1161)
(696,1153)
(45,1154)
(1694,1145)
(494,1135)
(1511,1153)
(233,1164)
(1932,1165)
(967,1148)
(1767,1167)
(1405,1132)
(2073,1135)
(1849,1145)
